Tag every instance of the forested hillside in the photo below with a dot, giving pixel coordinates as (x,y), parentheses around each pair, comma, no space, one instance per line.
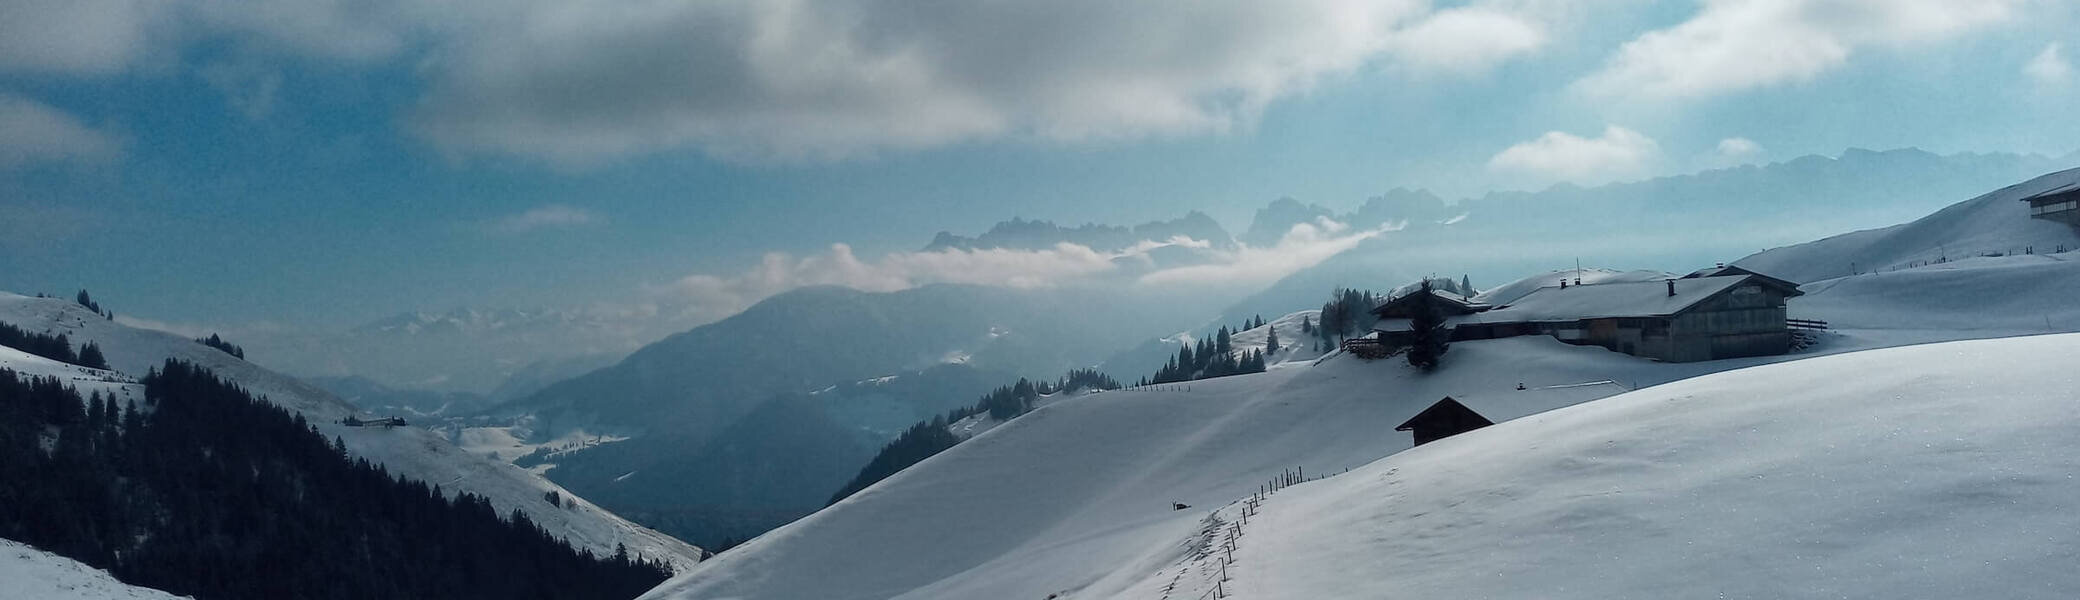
(207,491)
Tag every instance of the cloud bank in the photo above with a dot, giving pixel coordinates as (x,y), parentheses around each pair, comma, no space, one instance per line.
(785,80)
(1735,45)
(708,297)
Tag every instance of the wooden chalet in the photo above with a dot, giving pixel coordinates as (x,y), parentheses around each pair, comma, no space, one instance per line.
(1444,419)
(2053,197)
(1724,312)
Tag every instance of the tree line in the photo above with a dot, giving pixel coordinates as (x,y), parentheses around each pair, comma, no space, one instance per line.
(215,341)
(55,347)
(205,490)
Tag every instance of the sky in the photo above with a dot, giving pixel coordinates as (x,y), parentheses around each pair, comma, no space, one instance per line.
(319,164)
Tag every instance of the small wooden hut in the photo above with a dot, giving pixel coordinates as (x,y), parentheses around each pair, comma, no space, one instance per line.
(1444,419)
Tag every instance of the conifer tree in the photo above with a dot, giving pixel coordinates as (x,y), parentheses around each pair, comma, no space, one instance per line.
(1271,340)
(1427,332)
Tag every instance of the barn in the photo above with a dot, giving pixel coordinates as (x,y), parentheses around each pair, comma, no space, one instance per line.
(1725,312)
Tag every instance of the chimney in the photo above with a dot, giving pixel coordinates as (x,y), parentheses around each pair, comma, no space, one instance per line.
(1671,287)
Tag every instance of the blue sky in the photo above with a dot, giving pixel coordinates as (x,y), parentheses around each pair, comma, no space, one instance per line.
(326,163)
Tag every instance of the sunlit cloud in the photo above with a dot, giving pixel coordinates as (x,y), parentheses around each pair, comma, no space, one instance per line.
(707,297)
(1560,156)
(1736,45)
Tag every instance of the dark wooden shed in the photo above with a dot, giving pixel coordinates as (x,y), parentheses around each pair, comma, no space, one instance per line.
(1444,419)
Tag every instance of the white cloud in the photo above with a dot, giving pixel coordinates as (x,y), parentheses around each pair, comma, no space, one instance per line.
(1739,149)
(1468,39)
(1734,45)
(707,297)
(1560,156)
(2049,68)
(75,36)
(542,217)
(32,132)
(1305,245)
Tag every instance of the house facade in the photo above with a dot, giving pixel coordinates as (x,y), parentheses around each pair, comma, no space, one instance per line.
(1708,316)
(2053,197)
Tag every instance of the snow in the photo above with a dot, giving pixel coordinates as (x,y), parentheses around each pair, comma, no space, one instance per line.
(1510,292)
(1291,340)
(1074,498)
(26,572)
(413,452)
(1956,479)
(1994,222)
(1598,300)
(87,381)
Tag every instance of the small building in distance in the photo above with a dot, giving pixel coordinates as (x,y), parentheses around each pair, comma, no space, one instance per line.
(1724,312)
(1444,419)
(2054,197)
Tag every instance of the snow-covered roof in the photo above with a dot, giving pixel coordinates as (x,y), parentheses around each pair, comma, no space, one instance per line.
(1630,299)
(2048,185)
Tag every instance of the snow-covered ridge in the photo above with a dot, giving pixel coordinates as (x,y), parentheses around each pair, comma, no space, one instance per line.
(26,572)
(1997,222)
(409,451)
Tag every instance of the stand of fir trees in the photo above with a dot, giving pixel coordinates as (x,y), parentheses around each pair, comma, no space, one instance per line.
(207,491)
(928,438)
(1215,357)
(87,300)
(214,341)
(1348,313)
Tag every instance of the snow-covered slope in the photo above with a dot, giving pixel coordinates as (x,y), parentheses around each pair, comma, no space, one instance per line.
(26,572)
(88,381)
(410,451)
(1075,497)
(1996,222)
(1940,471)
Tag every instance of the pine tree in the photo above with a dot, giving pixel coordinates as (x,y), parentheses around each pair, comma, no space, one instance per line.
(90,356)
(1271,340)
(1427,335)
(1465,285)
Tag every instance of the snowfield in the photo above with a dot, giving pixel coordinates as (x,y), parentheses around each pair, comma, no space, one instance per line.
(1933,471)
(410,451)
(26,572)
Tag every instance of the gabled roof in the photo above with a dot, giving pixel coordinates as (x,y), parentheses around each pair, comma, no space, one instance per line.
(1446,410)
(2062,182)
(1449,303)
(1789,288)
(1609,300)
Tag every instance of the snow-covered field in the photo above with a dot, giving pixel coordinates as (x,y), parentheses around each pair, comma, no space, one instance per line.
(410,451)
(27,573)
(1934,471)
(1075,498)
